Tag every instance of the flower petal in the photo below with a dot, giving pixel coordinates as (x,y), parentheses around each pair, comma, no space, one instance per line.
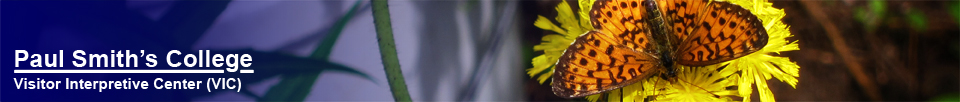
(544,23)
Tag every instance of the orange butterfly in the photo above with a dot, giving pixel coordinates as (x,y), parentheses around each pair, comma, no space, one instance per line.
(638,39)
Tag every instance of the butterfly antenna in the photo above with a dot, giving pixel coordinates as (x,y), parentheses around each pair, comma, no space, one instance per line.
(656,89)
(701,88)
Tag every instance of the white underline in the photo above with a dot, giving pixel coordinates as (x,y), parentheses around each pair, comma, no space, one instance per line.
(123,71)
(246,71)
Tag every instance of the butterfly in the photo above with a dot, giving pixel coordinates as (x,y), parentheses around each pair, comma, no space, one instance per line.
(639,39)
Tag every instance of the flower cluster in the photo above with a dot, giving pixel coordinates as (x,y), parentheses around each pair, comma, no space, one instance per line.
(571,26)
(718,82)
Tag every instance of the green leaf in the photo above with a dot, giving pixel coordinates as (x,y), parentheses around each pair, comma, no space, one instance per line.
(296,86)
(918,21)
(326,45)
(954,9)
(300,75)
(947,97)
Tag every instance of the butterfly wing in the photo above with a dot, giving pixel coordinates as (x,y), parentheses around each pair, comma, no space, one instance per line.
(624,20)
(594,64)
(681,14)
(619,53)
(723,32)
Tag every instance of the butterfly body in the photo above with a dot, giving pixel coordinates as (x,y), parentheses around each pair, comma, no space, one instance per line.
(640,39)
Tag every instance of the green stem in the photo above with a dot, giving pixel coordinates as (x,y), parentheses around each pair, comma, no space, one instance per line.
(388,51)
(326,45)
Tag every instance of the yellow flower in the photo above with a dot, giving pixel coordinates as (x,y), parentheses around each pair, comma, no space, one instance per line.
(553,45)
(701,85)
(697,84)
(760,66)
(718,82)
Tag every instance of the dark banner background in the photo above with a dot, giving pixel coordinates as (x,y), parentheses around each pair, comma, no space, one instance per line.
(44,27)
(909,49)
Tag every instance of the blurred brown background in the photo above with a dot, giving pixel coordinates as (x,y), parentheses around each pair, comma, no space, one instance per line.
(850,50)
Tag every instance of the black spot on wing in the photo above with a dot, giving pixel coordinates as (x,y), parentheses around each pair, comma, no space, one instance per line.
(732,24)
(589,73)
(723,21)
(640,40)
(683,4)
(729,49)
(599,66)
(706,25)
(609,50)
(596,42)
(593,53)
(689,16)
(583,61)
(699,54)
(599,84)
